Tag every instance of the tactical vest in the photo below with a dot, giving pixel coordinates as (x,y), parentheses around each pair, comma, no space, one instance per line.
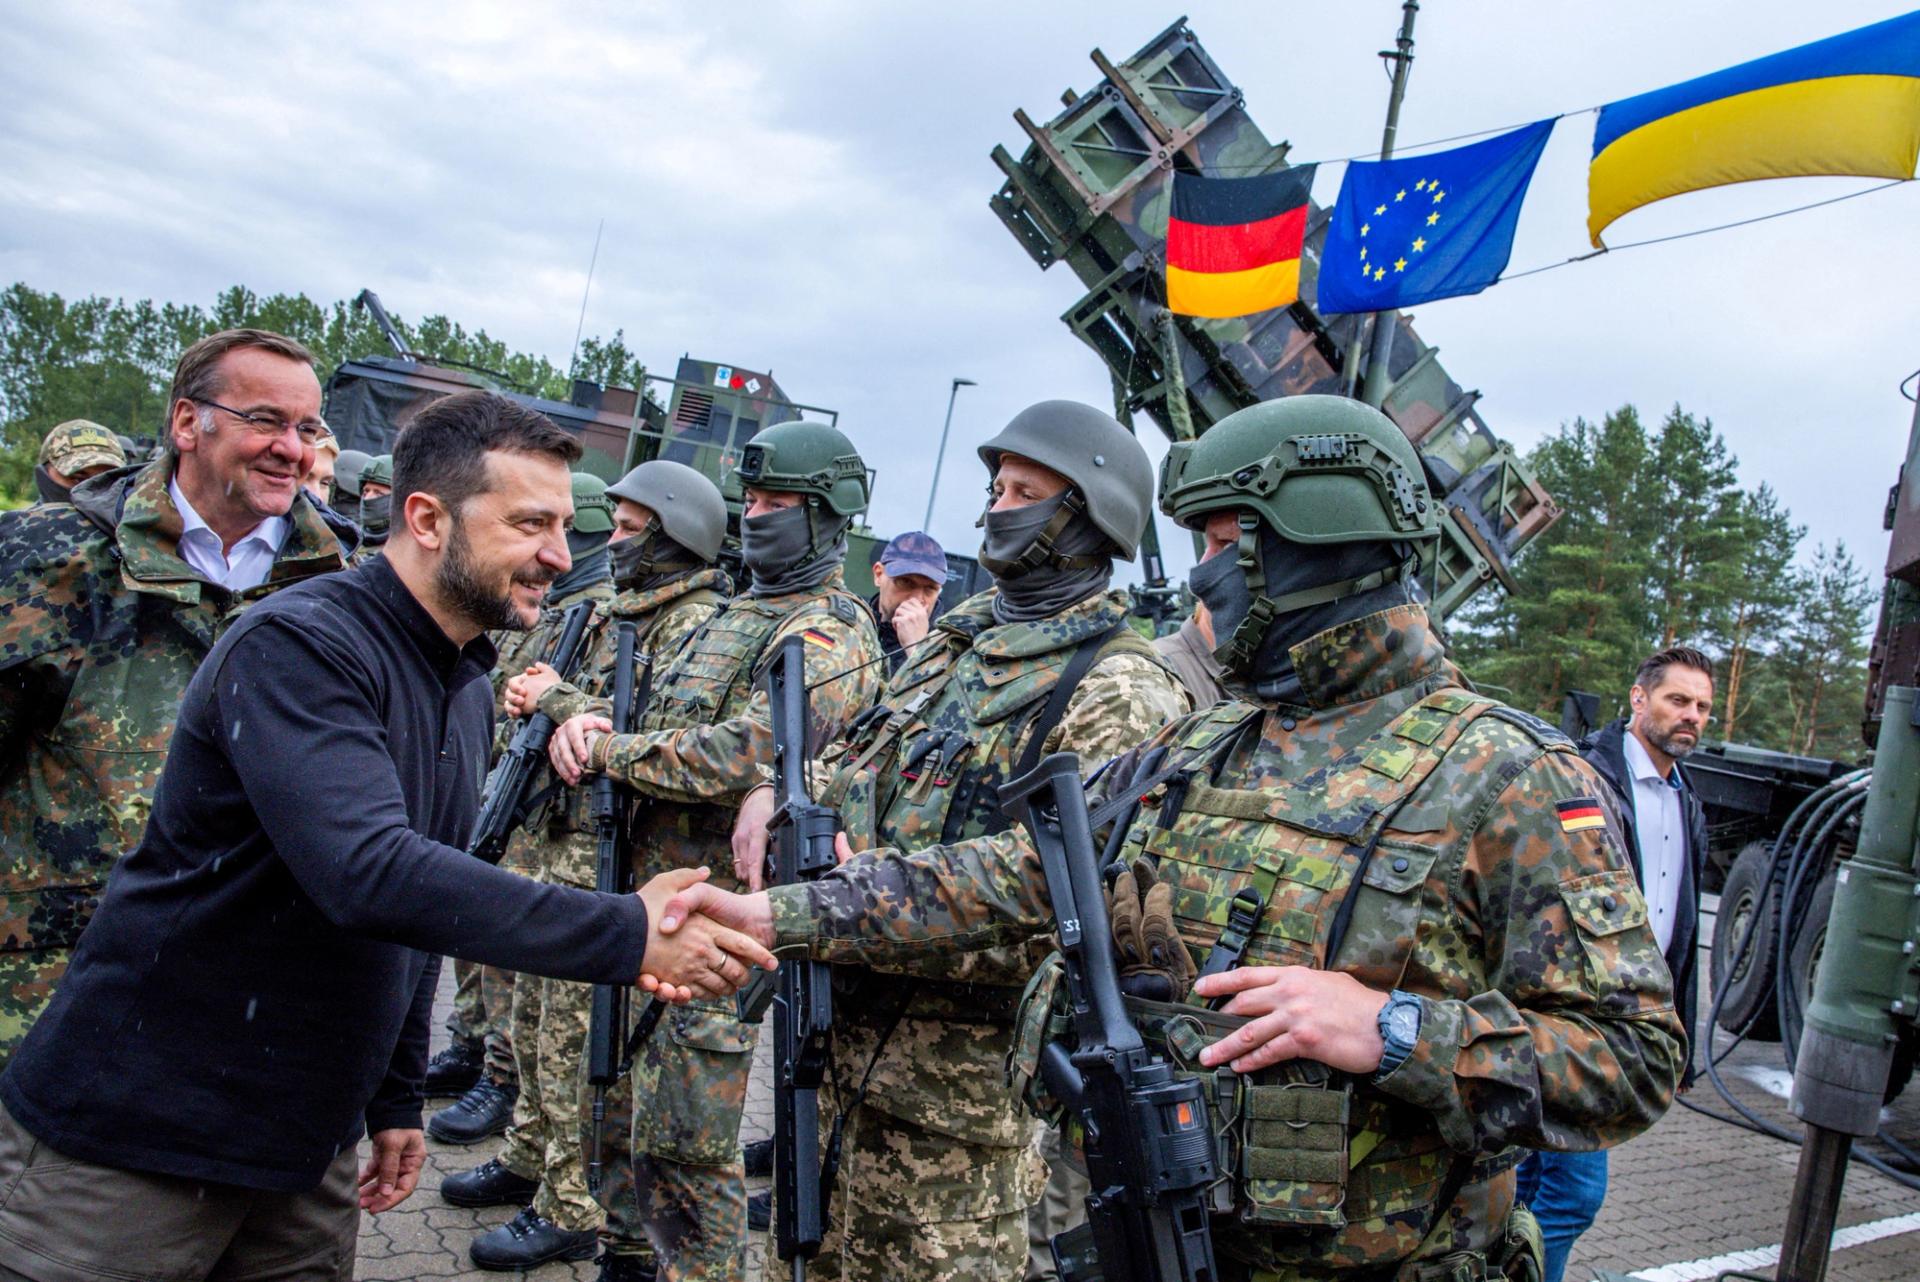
(595,676)
(961,716)
(712,681)
(1308,1150)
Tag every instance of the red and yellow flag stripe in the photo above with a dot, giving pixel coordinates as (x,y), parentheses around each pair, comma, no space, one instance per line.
(1233,244)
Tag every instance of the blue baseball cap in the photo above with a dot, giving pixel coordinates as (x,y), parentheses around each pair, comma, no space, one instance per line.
(915,552)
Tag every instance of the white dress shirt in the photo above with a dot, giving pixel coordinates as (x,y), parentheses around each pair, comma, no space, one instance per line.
(1662,832)
(251,560)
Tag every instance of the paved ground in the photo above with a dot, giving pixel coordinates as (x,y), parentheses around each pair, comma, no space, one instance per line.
(1691,1190)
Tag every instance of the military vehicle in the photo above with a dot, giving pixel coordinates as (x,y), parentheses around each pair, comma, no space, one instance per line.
(712,408)
(1092,188)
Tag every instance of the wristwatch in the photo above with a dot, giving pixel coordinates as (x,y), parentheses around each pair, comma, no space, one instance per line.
(1399,1029)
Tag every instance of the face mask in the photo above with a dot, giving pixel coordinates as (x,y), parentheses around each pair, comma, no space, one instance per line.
(1221,586)
(648,559)
(374,515)
(51,491)
(782,553)
(589,553)
(1078,564)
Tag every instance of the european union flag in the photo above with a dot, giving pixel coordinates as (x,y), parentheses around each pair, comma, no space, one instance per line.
(1409,231)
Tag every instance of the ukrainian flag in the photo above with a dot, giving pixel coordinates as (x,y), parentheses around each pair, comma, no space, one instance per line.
(1849,105)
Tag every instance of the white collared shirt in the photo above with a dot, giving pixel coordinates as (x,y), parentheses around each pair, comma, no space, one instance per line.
(1660,827)
(251,560)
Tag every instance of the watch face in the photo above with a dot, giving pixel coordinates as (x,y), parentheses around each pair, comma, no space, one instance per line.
(1405,1022)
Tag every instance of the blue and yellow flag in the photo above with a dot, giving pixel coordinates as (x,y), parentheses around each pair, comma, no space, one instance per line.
(1409,231)
(1849,105)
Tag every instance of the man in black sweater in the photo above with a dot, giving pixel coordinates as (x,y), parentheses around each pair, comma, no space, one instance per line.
(253,994)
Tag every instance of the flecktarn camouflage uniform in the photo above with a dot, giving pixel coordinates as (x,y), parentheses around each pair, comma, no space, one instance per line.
(703,741)
(1549,1020)
(482,1013)
(939,1166)
(549,1022)
(103,625)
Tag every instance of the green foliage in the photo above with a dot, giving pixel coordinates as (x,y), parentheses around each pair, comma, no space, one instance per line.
(112,361)
(1659,546)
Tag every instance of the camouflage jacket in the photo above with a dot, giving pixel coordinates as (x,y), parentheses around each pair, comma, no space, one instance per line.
(1490,892)
(965,707)
(561,832)
(520,649)
(705,734)
(102,628)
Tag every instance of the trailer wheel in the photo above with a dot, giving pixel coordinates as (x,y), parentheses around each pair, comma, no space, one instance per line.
(1748,979)
(1803,966)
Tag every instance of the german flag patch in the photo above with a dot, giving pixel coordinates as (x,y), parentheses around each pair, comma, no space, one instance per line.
(1580,814)
(815,636)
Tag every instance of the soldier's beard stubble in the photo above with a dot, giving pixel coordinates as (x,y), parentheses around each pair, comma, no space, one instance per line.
(487,605)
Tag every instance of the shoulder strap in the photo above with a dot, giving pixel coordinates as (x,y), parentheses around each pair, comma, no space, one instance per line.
(1083,658)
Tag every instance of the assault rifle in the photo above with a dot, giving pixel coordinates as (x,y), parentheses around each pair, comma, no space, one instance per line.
(802,833)
(1149,1148)
(504,806)
(609,1049)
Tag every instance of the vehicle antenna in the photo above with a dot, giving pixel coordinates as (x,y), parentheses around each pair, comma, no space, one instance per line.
(1373,389)
(584,295)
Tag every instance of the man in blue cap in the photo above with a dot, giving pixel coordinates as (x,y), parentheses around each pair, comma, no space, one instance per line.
(907,578)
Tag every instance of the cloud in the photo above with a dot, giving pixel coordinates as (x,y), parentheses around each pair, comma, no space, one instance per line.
(803,188)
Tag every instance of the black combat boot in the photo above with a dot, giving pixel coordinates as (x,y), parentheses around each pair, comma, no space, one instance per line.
(627,1268)
(485,1110)
(757,1157)
(759,1212)
(454,1070)
(489,1184)
(528,1240)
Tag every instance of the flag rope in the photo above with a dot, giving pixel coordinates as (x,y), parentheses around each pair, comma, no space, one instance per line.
(1702,231)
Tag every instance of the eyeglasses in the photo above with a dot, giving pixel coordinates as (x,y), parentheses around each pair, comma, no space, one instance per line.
(310,432)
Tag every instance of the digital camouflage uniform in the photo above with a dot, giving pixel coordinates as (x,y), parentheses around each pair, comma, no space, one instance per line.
(1548,1022)
(703,740)
(549,1022)
(102,628)
(938,1168)
(482,1011)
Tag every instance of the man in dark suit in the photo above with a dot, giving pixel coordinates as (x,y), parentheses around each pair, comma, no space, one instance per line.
(1639,756)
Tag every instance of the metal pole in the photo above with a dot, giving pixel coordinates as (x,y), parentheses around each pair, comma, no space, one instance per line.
(585,294)
(958,383)
(1374,388)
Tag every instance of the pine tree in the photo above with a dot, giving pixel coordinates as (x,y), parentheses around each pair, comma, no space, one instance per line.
(1758,606)
(1825,655)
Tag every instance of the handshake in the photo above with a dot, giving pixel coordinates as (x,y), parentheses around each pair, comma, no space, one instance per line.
(702,942)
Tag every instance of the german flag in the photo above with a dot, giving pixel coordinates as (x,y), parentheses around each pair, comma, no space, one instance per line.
(1580,814)
(1233,244)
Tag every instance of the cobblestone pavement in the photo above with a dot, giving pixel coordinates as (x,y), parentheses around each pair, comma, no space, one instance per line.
(1691,1189)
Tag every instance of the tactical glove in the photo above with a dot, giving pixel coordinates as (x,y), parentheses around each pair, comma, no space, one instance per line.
(1154,964)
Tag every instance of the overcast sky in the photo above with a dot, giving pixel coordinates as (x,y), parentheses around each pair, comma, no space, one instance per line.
(803,187)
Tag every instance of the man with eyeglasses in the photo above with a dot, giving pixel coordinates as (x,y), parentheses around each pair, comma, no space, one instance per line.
(107,607)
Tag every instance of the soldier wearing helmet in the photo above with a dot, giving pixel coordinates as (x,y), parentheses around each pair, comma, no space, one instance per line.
(1413,897)
(482,1060)
(657,532)
(375,510)
(346,483)
(703,740)
(1043,660)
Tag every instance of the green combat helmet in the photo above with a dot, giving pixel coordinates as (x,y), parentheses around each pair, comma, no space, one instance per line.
(1111,476)
(592,509)
(378,471)
(688,506)
(814,459)
(804,457)
(1315,470)
(347,469)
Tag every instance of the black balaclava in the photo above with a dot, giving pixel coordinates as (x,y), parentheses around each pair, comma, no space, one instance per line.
(375,513)
(1287,567)
(51,491)
(649,559)
(793,549)
(1040,563)
(589,553)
